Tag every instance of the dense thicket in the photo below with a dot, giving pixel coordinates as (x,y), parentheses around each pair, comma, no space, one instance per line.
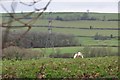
(41,39)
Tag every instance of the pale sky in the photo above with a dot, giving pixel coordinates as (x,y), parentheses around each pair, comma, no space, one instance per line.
(68,0)
(102,6)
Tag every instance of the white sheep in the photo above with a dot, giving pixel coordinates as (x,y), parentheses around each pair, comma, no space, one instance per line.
(79,54)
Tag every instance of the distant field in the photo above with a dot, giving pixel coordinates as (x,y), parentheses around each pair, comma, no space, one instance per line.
(87,24)
(77,32)
(73,14)
(76,14)
(95,67)
(91,41)
(43,20)
(77,24)
(80,24)
(59,50)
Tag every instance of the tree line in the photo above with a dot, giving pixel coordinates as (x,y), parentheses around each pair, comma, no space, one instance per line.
(42,40)
(68,16)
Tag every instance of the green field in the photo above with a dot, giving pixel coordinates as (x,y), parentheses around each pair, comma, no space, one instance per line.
(61,50)
(106,67)
(86,24)
(73,14)
(70,50)
(76,32)
(80,24)
(79,32)
(76,14)
(98,67)
(43,20)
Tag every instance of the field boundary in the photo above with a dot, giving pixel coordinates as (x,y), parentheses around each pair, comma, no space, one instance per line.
(70,27)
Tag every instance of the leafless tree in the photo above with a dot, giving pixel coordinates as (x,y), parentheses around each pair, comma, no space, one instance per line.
(13,18)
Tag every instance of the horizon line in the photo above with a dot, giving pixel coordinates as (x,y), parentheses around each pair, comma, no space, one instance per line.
(60,11)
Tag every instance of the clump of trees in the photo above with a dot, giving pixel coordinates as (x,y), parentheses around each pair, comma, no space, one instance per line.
(88,52)
(101,37)
(14,52)
(84,16)
(98,52)
(42,39)
(71,16)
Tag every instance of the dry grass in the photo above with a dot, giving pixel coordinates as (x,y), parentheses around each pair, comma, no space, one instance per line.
(14,52)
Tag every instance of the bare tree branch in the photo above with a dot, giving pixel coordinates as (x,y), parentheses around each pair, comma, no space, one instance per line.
(14,18)
(31,4)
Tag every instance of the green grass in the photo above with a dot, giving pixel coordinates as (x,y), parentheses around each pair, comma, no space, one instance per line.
(78,32)
(79,14)
(62,50)
(73,14)
(73,31)
(91,41)
(57,68)
(79,24)
(86,32)
(104,67)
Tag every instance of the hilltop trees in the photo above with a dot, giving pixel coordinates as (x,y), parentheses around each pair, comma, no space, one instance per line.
(85,16)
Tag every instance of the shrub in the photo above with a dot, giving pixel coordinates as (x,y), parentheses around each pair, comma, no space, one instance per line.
(14,52)
(100,37)
(98,52)
(40,40)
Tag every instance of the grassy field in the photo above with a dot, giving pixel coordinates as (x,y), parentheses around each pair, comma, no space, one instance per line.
(79,32)
(91,41)
(75,14)
(70,50)
(80,24)
(77,24)
(101,67)
(87,24)
(61,50)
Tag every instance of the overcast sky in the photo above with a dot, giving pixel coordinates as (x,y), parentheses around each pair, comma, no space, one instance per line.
(102,6)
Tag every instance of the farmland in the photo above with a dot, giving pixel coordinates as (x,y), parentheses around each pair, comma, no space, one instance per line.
(80,24)
(72,14)
(74,27)
(97,38)
(69,50)
(86,33)
(105,67)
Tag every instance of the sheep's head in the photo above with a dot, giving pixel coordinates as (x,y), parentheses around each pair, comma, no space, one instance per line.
(78,55)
